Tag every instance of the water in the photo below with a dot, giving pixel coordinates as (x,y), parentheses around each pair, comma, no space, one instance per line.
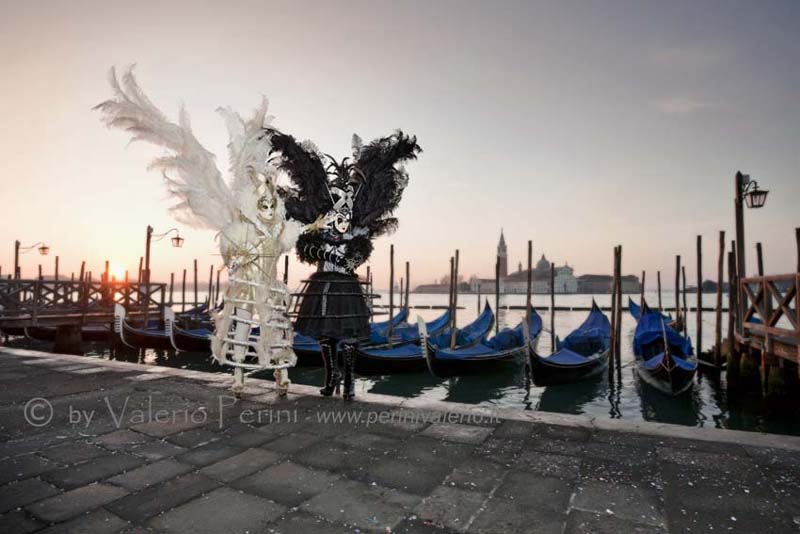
(706,404)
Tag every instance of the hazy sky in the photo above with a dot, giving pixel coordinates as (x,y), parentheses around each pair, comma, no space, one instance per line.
(579,125)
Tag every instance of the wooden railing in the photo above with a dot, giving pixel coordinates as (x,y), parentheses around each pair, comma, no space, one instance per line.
(770,307)
(35,299)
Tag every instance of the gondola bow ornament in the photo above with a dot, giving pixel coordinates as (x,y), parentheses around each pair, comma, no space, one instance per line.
(252,328)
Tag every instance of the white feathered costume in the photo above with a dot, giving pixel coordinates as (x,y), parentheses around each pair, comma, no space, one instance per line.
(252,329)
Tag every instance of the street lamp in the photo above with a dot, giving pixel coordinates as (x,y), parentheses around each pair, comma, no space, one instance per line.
(177,242)
(43,249)
(747,192)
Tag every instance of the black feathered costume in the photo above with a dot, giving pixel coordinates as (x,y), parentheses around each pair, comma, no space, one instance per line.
(352,203)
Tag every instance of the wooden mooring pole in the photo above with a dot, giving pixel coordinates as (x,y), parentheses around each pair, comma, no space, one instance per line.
(402,292)
(83,271)
(55,274)
(612,358)
(391,293)
(619,309)
(210,285)
(285,271)
(760,260)
(183,292)
(641,290)
(658,279)
(408,282)
(683,291)
(479,299)
(196,298)
(171,286)
(678,289)
(454,332)
(141,270)
(797,240)
(733,361)
(497,295)
(216,287)
(699,316)
(552,307)
(529,287)
(718,304)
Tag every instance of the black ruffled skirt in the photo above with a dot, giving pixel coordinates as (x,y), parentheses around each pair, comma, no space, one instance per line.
(333,305)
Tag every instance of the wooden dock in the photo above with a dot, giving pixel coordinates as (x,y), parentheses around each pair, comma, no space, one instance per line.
(32,303)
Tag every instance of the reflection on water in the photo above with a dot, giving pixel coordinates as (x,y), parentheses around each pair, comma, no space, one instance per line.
(624,396)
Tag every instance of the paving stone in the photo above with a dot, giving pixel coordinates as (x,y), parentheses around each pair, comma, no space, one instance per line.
(636,504)
(121,439)
(451,507)
(477,475)
(458,433)
(151,474)
(209,454)
(287,483)
(23,492)
(97,469)
(424,448)
(222,510)
(501,450)
(513,430)
(73,453)
(415,525)
(562,432)
(743,521)
(292,443)
(251,438)
(605,471)
(555,446)
(332,456)
(156,450)
(549,465)
(18,522)
(193,438)
(96,522)
(622,454)
(363,506)
(541,493)
(161,429)
(511,517)
(418,477)
(365,441)
(241,465)
(303,523)
(22,467)
(77,501)
(629,439)
(579,522)
(154,500)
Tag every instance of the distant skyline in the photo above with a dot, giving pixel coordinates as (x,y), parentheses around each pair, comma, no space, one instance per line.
(579,125)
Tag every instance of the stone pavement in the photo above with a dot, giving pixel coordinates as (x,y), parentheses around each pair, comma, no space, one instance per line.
(116,447)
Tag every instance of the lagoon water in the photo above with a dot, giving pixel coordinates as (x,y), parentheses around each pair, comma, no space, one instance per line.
(706,404)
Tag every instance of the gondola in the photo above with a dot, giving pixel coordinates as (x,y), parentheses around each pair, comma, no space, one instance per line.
(409,357)
(307,348)
(409,333)
(581,355)
(636,311)
(189,339)
(152,336)
(95,332)
(664,358)
(483,355)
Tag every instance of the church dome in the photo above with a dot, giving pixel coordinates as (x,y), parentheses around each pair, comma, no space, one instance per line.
(542,264)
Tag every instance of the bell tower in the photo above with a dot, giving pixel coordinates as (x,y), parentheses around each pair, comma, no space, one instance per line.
(502,255)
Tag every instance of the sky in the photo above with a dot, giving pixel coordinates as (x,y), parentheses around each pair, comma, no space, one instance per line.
(578,125)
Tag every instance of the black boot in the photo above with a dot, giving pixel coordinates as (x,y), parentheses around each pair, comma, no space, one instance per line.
(332,376)
(349,356)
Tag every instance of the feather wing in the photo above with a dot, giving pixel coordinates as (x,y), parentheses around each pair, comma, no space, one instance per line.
(308,195)
(384,180)
(203,199)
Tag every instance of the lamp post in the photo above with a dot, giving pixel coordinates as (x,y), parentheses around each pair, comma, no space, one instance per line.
(43,249)
(177,242)
(747,192)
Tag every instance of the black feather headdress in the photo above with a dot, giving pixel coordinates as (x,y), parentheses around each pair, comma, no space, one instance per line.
(376,173)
